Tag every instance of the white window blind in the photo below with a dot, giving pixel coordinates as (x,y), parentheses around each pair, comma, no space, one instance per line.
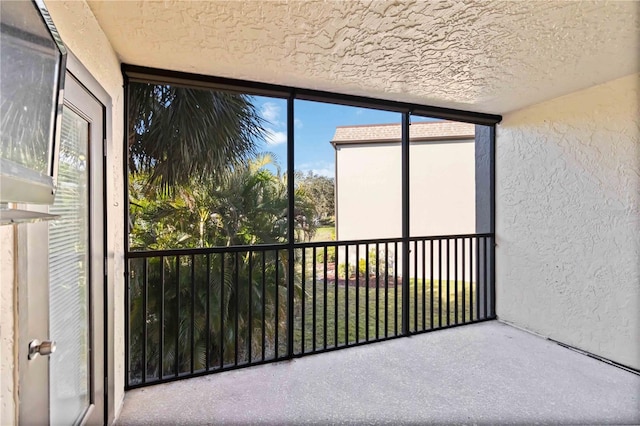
(69,274)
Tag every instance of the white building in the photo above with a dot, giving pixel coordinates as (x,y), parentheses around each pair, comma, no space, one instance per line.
(369,180)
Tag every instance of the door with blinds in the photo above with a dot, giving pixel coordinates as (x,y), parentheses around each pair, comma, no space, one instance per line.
(68,313)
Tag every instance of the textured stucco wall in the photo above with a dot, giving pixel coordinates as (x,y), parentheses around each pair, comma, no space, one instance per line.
(82,34)
(568,219)
(465,54)
(7,324)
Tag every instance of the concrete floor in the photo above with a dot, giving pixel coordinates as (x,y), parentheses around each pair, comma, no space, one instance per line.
(484,373)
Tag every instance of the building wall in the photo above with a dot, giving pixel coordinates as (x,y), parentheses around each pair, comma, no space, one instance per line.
(568,219)
(369,189)
(442,188)
(369,196)
(7,328)
(84,37)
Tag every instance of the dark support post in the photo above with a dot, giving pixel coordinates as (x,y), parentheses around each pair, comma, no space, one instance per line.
(127,262)
(492,242)
(485,213)
(290,225)
(405,223)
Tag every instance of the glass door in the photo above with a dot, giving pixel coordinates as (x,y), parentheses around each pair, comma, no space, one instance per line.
(69,296)
(62,302)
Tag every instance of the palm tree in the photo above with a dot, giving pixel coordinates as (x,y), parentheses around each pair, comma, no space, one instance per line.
(250,206)
(176,133)
(192,158)
(246,205)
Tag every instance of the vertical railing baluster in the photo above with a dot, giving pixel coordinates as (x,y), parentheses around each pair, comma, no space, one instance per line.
(161,337)
(366,269)
(448,281)
(477,278)
(386,290)
(377,291)
(304,296)
(439,283)
(236,291)
(464,286)
(485,263)
(264,302)
(346,295)
(129,271)
(207,352)
(314,301)
(277,305)
(250,331)
(470,278)
(335,297)
(192,333)
(145,307)
(357,293)
(431,284)
(455,277)
(415,286)
(424,287)
(177,342)
(222,333)
(324,317)
(395,285)
(492,272)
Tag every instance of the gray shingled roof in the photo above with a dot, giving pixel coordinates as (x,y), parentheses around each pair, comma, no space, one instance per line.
(420,131)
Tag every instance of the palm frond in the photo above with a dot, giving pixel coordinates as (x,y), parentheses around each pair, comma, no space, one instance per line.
(176,133)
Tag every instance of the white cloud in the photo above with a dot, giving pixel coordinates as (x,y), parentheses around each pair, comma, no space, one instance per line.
(275,138)
(271,112)
(298,123)
(324,172)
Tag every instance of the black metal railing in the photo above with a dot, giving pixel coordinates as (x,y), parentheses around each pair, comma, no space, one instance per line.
(192,312)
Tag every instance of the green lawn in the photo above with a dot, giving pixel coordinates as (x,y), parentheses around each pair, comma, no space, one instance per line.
(366,315)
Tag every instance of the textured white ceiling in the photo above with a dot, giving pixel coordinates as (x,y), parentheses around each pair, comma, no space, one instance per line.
(486,56)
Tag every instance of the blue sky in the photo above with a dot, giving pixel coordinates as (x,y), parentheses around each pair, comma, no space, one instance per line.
(315,125)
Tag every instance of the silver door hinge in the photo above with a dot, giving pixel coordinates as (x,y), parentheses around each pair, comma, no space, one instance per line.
(104,147)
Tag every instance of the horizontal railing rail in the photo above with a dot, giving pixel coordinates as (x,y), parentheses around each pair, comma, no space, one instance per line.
(197,311)
(236,248)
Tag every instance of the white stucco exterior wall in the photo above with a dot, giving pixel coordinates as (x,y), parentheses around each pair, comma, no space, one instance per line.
(369,191)
(568,219)
(84,37)
(369,194)
(442,188)
(7,328)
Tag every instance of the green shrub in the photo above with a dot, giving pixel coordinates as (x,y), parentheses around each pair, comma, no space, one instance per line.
(341,270)
(352,269)
(331,255)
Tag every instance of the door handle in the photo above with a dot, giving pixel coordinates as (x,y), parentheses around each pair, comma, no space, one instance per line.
(36,347)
